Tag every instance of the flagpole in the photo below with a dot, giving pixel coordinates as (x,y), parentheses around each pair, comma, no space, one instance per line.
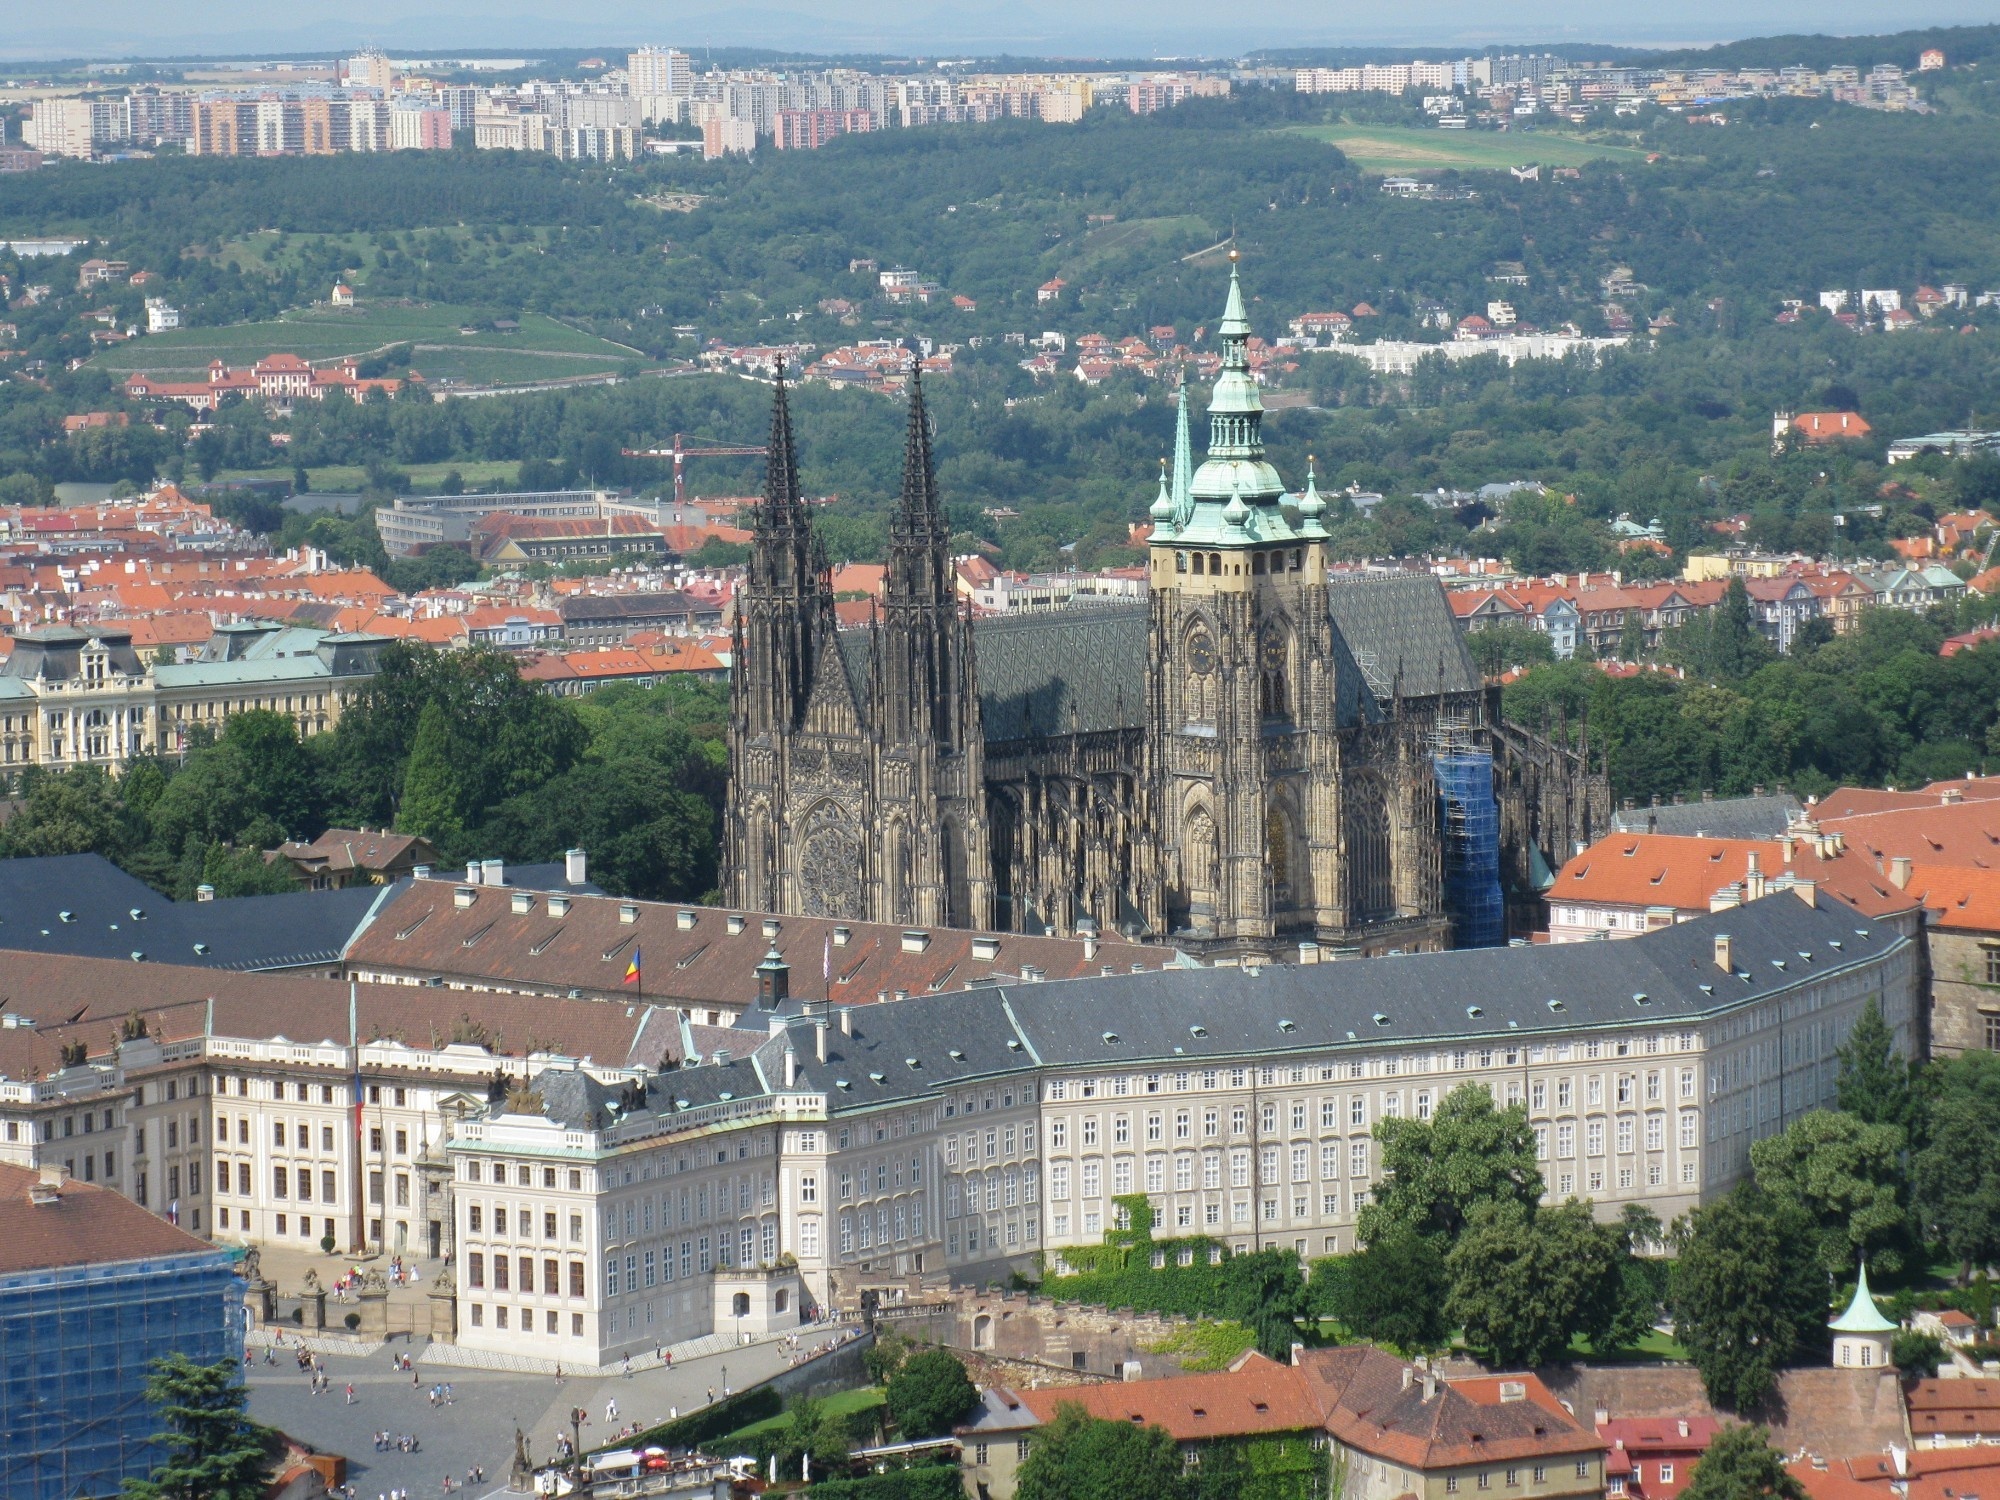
(358,1212)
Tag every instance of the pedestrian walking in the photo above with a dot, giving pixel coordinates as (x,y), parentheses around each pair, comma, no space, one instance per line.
(350,1393)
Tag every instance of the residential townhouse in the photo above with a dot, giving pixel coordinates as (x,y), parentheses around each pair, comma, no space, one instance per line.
(1659,607)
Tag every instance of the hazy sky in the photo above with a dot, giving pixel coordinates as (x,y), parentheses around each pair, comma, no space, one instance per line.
(1129,27)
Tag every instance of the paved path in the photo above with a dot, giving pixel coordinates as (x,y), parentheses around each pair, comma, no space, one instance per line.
(478,1427)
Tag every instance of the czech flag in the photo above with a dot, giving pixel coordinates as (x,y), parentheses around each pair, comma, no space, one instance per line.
(632,969)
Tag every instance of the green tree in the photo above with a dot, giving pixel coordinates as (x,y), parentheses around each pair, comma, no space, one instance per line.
(1434,1171)
(1524,1282)
(1955,1178)
(819,1434)
(1080,1457)
(929,1394)
(72,812)
(1848,1176)
(1632,637)
(1874,1080)
(1746,1292)
(1266,1293)
(1394,1291)
(1741,1464)
(1917,1355)
(433,796)
(214,1452)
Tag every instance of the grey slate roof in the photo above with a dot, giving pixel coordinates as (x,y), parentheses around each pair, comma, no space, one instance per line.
(241,932)
(1066,669)
(1401,623)
(1171,1017)
(575,1100)
(1725,818)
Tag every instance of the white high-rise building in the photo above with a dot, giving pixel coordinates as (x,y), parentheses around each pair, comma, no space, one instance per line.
(370,70)
(659,72)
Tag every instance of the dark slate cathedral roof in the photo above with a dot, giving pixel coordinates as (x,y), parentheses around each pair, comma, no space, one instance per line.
(1084,669)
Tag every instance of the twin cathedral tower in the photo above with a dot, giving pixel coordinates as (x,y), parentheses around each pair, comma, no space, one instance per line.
(1241,765)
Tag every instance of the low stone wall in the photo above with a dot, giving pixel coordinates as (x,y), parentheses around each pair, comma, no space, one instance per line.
(1829,1412)
(1059,1336)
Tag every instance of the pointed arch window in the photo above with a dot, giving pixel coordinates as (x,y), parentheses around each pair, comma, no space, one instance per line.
(1274,673)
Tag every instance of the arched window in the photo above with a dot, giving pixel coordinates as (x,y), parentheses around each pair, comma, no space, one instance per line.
(1371,884)
(1198,856)
(1274,667)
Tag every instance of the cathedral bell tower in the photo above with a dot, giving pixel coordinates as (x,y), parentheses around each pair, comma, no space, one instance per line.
(784,625)
(1245,699)
(932,861)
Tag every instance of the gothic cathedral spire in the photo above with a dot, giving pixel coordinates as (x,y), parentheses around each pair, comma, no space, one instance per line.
(785,609)
(925,651)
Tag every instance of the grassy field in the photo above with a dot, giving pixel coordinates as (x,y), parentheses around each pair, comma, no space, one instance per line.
(841,1403)
(1400,148)
(346,478)
(1104,241)
(270,250)
(542,347)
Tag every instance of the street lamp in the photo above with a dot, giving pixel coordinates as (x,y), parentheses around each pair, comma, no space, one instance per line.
(577,1416)
(725,1382)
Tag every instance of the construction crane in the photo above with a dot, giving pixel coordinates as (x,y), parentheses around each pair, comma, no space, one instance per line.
(682,451)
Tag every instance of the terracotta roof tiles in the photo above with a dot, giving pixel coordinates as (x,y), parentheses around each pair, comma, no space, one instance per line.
(79,1224)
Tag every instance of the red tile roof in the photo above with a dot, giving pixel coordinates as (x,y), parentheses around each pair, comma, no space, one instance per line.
(79,1224)
(1954,1408)
(1254,1395)
(1683,873)
(1958,898)
(422,931)
(1377,1404)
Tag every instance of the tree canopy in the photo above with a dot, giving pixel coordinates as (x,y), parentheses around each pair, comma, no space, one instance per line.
(1746,1292)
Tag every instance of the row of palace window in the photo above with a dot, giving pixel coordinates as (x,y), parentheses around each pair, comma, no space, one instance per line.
(1269,560)
(502,1316)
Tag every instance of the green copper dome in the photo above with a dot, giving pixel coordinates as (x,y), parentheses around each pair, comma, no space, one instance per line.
(1862,1315)
(1236,498)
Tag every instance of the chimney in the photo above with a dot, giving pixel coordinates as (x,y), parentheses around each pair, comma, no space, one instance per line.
(1899,872)
(574,867)
(1724,957)
(847,1020)
(494,870)
(1298,1352)
(1601,1415)
(774,980)
(1408,1375)
(1807,891)
(1785,848)
(1753,880)
(819,1040)
(47,1188)
(472,872)
(791,1068)
(204,893)
(420,872)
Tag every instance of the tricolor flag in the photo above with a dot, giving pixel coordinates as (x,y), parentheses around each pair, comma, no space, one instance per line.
(826,960)
(632,969)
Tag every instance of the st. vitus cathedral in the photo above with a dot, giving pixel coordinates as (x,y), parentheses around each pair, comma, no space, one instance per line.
(1245,764)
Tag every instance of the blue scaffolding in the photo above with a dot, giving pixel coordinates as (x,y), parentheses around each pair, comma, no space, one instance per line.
(1469,817)
(76,1346)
